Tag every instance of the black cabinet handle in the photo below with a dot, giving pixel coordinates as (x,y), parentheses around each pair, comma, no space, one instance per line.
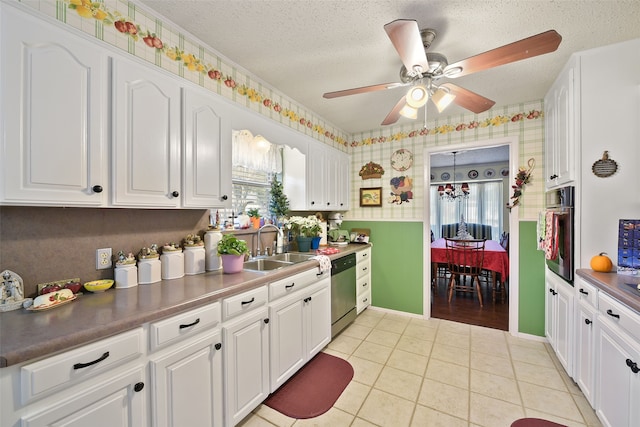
(307,299)
(365,300)
(98,360)
(583,292)
(218,346)
(138,387)
(175,194)
(266,320)
(313,203)
(364,269)
(612,314)
(633,365)
(587,321)
(320,274)
(554,176)
(190,324)
(225,197)
(97,188)
(364,284)
(365,254)
(289,286)
(248,302)
(551,291)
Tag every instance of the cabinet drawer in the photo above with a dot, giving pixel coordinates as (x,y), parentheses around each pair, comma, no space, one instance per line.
(363,285)
(294,283)
(619,314)
(363,255)
(40,378)
(363,301)
(363,269)
(183,325)
(586,292)
(238,304)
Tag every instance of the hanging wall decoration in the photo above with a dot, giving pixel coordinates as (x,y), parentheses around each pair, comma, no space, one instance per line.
(605,167)
(523,177)
(371,197)
(401,160)
(371,170)
(401,190)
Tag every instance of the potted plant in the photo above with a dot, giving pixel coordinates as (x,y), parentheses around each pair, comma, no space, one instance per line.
(232,251)
(305,229)
(254,215)
(278,201)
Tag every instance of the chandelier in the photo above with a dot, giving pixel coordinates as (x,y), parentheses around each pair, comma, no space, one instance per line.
(454,192)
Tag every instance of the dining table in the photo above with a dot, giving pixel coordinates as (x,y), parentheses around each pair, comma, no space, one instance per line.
(496,260)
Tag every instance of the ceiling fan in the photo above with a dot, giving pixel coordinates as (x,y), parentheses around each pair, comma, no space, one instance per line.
(421,70)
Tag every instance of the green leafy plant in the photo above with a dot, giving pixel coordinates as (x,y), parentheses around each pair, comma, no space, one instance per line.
(253,212)
(304,226)
(278,202)
(231,245)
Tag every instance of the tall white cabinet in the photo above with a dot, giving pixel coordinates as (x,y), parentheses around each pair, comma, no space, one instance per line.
(559,302)
(54,106)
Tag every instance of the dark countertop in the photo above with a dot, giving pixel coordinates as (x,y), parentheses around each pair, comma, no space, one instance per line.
(26,335)
(619,286)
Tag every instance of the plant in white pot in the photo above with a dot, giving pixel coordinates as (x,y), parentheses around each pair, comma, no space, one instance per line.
(305,229)
(232,251)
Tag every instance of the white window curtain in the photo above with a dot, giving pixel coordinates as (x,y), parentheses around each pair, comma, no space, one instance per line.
(484,206)
(248,154)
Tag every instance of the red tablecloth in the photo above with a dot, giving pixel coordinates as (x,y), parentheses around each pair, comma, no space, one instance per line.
(495,257)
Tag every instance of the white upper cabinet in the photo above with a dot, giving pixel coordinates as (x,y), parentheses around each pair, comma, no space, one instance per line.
(562,113)
(206,152)
(53,107)
(146,137)
(327,178)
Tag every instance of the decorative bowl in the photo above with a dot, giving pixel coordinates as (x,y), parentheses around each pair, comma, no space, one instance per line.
(98,285)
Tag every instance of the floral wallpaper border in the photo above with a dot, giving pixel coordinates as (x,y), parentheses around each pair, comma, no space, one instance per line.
(105,13)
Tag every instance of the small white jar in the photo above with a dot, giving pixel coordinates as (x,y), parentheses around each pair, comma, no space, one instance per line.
(149,271)
(126,276)
(194,257)
(212,259)
(172,265)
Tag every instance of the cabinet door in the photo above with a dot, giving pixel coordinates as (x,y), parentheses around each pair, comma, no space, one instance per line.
(146,114)
(332,179)
(316,177)
(585,350)
(53,106)
(550,130)
(206,155)
(564,332)
(187,383)
(565,129)
(287,339)
(344,182)
(119,402)
(550,313)
(246,367)
(318,318)
(618,387)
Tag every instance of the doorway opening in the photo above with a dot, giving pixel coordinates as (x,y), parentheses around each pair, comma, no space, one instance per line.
(483,169)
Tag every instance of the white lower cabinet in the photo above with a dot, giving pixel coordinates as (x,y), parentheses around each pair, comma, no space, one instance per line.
(246,356)
(363,279)
(559,302)
(300,328)
(585,332)
(187,383)
(618,367)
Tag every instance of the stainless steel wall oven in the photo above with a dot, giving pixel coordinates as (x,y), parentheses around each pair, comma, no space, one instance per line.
(560,250)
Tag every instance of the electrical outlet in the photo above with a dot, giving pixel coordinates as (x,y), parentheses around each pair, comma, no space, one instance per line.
(103,258)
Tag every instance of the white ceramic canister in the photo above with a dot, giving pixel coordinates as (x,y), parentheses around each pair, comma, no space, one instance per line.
(149,271)
(212,259)
(126,276)
(194,260)
(172,265)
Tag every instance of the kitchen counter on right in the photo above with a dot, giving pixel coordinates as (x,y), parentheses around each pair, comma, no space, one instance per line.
(620,286)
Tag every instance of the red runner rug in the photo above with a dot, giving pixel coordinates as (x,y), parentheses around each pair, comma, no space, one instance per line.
(314,389)
(535,422)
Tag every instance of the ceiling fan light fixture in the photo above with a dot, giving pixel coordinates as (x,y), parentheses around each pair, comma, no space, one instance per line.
(417,96)
(409,112)
(442,98)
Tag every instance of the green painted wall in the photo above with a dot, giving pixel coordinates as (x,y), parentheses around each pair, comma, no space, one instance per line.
(531,296)
(396,275)
(396,266)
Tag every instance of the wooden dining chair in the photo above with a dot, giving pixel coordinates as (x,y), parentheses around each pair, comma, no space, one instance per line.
(465,258)
(504,241)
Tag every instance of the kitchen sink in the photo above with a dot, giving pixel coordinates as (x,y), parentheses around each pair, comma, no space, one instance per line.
(264,264)
(291,257)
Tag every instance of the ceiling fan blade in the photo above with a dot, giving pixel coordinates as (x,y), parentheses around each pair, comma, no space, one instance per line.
(526,48)
(394,114)
(363,89)
(405,36)
(468,99)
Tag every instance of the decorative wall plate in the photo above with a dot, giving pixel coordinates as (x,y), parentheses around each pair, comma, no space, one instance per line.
(401,160)
(504,172)
(473,174)
(445,176)
(489,173)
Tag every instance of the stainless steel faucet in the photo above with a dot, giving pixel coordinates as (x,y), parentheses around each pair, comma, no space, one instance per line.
(260,241)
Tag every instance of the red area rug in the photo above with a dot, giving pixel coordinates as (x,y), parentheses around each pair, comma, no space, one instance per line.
(314,389)
(535,422)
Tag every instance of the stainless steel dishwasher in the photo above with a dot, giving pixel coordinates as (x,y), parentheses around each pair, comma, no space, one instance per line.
(343,292)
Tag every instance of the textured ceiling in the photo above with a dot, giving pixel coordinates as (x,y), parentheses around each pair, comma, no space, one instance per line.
(306,48)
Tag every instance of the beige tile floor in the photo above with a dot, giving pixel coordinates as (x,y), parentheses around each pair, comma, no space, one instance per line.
(437,373)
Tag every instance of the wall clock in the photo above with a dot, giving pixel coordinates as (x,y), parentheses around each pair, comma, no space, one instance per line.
(401,160)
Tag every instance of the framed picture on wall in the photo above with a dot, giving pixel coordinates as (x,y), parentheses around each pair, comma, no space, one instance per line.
(371,197)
